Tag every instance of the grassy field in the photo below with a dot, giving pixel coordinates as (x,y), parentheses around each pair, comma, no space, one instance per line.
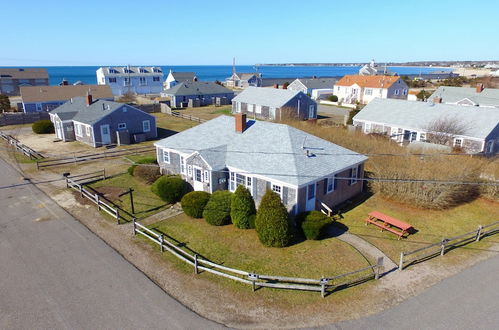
(146,203)
(431,225)
(208,112)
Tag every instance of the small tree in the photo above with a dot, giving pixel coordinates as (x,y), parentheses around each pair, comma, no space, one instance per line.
(444,129)
(423,95)
(272,223)
(147,173)
(4,103)
(169,188)
(242,207)
(43,126)
(217,210)
(313,224)
(285,85)
(193,203)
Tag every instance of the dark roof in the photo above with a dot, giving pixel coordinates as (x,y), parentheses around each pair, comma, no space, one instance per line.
(318,83)
(77,110)
(20,73)
(183,76)
(32,94)
(196,88)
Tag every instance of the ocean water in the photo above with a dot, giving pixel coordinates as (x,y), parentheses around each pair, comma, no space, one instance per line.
(87,74)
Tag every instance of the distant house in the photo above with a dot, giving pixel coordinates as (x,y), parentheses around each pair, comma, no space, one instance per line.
(11,79)
(229,151)
(175,78)
(407,121)
(373,69)
(355,88)
(46,98)
(478,96)
(101,122)
(131,79)
(314,87)
(274,104)
(243,80)
(197,93)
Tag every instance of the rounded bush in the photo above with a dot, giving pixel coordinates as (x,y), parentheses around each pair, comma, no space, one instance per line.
(193,203)
(333,98)
(272,223)
(217,210)
(170,188)
(147,173)
(242,207)
(313,224)
(145,160)
(43,127)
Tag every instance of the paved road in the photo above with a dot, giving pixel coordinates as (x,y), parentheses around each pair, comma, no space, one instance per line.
(55,274)
(468,300)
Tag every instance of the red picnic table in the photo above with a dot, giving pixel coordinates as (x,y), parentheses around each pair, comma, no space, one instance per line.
(386,222)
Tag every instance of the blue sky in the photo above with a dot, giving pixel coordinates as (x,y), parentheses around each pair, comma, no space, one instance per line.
(109,32)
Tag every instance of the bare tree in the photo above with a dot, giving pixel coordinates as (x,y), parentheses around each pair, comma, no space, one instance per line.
(444,129)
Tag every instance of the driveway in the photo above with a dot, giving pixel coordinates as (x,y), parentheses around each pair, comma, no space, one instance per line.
(336,114)
(56,274)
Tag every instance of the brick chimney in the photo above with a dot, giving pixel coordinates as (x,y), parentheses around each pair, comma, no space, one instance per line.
(240,122)
(479,88)
(88,99)
(437,100)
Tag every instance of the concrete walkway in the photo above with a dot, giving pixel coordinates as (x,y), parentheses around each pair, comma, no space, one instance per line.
(364,247)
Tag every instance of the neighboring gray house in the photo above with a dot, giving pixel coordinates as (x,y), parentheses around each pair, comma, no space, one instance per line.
(46,98)
(407,121)
(197,93)
(274,104)
(225,152)
(314,87)
(102,122)
(11,79)
(175,78)
(478,96)
(243,80)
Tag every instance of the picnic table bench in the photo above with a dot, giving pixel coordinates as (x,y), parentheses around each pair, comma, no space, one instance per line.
(385,222)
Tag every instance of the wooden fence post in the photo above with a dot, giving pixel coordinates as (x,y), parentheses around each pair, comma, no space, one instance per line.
(479,233)
(67,184)
(74,158)
(104,174)
(442,247)
(81,190)
(195,264)
(97,199)
(161,240)
(323,286)
(118,215)
(134,226)
(401,263)
(379,264)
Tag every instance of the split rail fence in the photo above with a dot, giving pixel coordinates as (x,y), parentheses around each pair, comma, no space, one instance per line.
(27,151)
(41,164)
(189,117)
(439,248)
(322,285)
(77,182)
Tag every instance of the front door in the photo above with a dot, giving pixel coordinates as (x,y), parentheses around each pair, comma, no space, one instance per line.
(311,111)
(272,113)
(310,197)
(105,134)
(58,128)
(198,179)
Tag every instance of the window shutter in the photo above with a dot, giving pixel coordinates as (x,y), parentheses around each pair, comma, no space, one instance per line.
(325,186)
(268,186)
(285,195)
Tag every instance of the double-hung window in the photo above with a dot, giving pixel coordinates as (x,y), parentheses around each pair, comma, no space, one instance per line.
(206,177)
(353,175)
(78,129)
(458,143)
(277,189)
(182,165)
(146,126)
(155,78)
(237,179)
(126,81)
(331,184)
(142,81)
(189,171)
(368,91)
(166,156)
(87,130)
(112,80)
(250,107)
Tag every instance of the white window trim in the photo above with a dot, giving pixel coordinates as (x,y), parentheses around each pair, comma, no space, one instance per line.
(39,107)
(331,180)
(354,176)
(88,130)
(272,185)
(258,108)
(120,126)
(206,176)
(189,171)
(183,165)
(148,126)
(460,145)
(166,156)
(78,130)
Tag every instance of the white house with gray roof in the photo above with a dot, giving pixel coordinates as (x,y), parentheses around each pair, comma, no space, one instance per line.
(478,96)
(314,87)
(175,78)
(274,104)
(101,122)
(132,79)
(229,151)
(407,121)
(243,80)
(197,93)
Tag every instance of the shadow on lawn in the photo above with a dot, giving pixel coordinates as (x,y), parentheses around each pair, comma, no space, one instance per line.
(164,133)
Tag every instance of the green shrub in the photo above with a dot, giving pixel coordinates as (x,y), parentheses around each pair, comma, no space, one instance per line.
(193,203)
(170,188)
(147,173)
(252,219)
(313,224)
(145,160)
(333,98)
(272,223)
(43,127)
(217,210)
(242,207)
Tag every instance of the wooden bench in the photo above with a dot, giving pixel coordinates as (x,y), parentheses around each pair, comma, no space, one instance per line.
(385,222)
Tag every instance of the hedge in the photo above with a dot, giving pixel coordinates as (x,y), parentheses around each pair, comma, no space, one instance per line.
(145,160)
(44,126)
(242,207)
(272,223)
(333,98)
(313,224)
(147,173)
(193,203)
(170,188)
(217,210)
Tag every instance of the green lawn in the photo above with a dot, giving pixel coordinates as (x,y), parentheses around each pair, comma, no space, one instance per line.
(146,203)
(431,225)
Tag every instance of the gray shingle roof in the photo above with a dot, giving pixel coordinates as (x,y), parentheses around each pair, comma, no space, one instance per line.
(271,97)
(418,115)
(488,97)
(183,76)
(196,88)
(318,83)
(121,71)
(78,110)
(268,149)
